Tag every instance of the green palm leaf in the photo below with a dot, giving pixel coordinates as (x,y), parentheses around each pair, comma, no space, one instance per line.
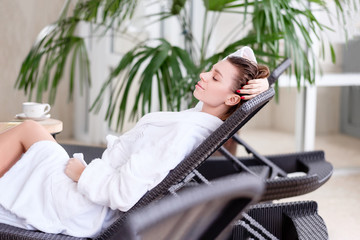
(167,73)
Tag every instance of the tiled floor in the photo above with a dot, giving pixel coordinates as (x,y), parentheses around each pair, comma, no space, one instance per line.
(338,199)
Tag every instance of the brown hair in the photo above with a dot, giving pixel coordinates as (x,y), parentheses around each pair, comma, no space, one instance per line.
(247,70)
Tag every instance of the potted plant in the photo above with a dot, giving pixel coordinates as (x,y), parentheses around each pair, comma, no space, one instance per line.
(278,29)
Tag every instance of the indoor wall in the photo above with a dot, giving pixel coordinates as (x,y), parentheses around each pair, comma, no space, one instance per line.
(20,23)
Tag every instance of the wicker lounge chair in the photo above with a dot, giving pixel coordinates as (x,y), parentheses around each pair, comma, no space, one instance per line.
(311,167)
(296,220)
(202,212)
(310,170)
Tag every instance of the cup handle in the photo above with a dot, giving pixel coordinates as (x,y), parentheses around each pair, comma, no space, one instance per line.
(47,108)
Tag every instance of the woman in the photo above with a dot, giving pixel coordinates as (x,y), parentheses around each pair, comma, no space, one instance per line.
(36,194)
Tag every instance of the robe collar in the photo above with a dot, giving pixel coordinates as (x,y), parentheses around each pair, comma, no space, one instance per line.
(193,116)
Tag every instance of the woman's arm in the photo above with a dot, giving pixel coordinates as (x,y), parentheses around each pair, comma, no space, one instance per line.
(253,88)
(121,187)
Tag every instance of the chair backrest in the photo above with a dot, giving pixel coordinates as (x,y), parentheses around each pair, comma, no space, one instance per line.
(279,70)
(208,146)
(201,212)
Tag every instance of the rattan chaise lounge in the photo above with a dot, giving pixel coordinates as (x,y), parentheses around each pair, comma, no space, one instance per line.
(281,221)
(201,212)
(311,168)
(309,171)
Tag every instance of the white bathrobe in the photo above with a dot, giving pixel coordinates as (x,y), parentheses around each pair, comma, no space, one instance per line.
(36,193)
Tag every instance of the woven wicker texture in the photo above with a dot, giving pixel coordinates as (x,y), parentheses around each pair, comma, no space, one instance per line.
(11,233)
(296,220)
(313,163)
(203,212)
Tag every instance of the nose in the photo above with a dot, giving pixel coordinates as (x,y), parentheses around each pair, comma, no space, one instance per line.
(203,76)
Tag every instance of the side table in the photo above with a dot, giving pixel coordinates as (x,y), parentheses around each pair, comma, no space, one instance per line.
(54,126)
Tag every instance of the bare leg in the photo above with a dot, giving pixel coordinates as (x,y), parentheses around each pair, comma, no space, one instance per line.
(15,141)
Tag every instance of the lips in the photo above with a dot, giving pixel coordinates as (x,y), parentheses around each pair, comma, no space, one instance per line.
(198,85)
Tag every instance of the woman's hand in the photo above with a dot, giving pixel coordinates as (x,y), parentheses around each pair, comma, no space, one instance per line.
(253,88)
(74,169)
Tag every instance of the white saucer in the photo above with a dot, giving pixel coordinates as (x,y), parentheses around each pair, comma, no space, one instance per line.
(22,116)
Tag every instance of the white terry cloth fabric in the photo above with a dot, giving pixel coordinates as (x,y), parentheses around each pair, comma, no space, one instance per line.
(144,156)
(244,52)
(36,193)
(40,196)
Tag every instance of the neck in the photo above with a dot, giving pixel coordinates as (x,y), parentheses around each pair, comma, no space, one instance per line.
(218,111)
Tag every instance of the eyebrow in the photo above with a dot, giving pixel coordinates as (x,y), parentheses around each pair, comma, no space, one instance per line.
(217,71)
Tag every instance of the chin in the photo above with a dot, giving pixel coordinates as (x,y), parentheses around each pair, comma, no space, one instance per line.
(195,94)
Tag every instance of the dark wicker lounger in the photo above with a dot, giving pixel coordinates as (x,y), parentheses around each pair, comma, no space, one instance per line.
(296,220)
(312,167)
(201,212)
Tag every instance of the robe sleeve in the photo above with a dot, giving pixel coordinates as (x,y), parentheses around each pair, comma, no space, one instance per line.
(121,188)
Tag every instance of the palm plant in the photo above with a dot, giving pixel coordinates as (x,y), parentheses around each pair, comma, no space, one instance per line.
(278,29)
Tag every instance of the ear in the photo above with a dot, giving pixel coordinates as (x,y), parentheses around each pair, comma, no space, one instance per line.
(232,100)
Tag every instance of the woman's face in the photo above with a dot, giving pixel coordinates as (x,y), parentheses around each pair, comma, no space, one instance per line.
(216,86)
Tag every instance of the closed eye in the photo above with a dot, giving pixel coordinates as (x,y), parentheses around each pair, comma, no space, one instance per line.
(216,73)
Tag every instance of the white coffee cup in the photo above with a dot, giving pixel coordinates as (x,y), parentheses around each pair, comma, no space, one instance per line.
(35,110)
